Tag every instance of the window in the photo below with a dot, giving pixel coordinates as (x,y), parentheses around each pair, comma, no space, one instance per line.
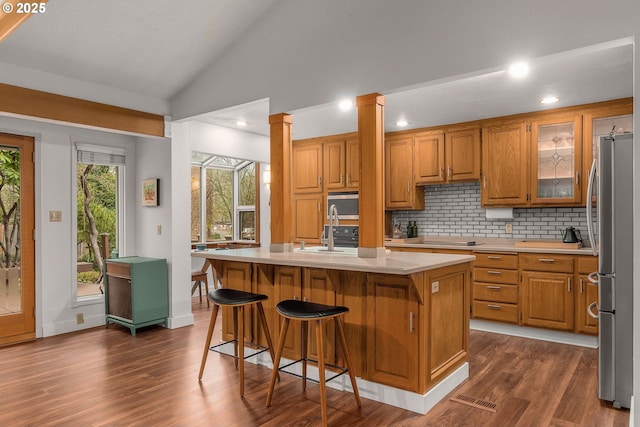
(223,198)
(99,175)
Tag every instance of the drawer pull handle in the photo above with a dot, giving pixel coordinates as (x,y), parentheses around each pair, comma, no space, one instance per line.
(546,260)
(494,257)
(494,272)
(494,288)
(494,307)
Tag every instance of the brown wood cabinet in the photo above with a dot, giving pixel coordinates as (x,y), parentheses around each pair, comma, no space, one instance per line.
(586,294)
(308,217)
(342,163)
(392,316)
(318,287)
(462,155)
(547,288)
(505,164)
(237,275)
(429,157)
(306,166)
(400,189)
(495,287)
(556,160)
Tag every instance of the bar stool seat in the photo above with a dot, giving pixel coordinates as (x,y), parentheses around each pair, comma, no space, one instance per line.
(199,277)
(237,300)
(305,312)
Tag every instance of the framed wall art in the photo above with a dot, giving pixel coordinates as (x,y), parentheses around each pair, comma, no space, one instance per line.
(150,192)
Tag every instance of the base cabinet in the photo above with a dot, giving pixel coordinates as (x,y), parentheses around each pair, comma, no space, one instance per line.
(586,294)
(495,287)
(547,300)
(392,316)
(136,292)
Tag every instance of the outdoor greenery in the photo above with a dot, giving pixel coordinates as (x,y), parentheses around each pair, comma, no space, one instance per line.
(10,207)
(96,207)
(219,199)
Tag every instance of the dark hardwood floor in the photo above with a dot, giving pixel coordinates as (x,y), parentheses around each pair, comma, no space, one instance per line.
(106,377)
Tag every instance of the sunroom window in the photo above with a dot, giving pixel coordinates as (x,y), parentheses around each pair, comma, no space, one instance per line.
(223,198)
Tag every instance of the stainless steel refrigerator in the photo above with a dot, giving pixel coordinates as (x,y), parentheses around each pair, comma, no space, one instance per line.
(611,235)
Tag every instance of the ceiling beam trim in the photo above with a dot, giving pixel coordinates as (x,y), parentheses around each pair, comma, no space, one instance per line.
(20,101)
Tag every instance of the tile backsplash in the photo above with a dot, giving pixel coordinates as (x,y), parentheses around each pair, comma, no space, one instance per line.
(454,210)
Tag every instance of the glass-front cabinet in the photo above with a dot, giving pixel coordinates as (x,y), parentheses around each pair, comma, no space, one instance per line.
(556,172)
(616,118)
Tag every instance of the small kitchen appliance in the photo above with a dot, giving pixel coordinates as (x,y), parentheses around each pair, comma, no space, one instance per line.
(571,235)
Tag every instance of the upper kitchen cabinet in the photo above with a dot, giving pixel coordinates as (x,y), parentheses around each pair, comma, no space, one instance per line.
(600,122)
(505,163)
(306,166)
(400,187)
(429,158)
(556,160)
(442,157)
(462,155)
(342,162)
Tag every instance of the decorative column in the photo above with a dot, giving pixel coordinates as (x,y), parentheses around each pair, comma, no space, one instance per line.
(281,217)
(371,202)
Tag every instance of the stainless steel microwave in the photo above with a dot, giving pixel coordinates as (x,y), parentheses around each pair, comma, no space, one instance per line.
(346,203)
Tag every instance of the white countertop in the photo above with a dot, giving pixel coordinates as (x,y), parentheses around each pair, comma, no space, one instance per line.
(401,263)
(482,245)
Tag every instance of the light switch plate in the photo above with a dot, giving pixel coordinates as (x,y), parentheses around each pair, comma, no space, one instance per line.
(55,216)
(435,287)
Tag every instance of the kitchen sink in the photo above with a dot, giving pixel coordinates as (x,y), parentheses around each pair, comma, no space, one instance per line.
(326,251)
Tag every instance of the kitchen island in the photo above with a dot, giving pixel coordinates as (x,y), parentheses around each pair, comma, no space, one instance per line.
(408,320)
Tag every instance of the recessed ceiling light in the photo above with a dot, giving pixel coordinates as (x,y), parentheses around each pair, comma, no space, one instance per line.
(402,123)
(549,100)
(345,105)
(519,69)
(241,122)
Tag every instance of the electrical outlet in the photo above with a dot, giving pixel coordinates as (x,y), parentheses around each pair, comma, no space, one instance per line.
(508,228)
(79,318)
(435,287)
(159,229)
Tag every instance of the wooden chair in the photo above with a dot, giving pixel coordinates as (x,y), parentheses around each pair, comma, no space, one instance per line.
(198,277)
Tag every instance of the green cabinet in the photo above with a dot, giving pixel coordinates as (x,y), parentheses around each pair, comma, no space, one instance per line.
(136,292)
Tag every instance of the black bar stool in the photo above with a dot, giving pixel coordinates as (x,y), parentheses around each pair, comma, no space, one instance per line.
(238,300)
(305,312)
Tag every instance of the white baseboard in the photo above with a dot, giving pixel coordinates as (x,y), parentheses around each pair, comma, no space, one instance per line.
(420,403)
(51,329)
(180,321)
(631,413)
(535,333)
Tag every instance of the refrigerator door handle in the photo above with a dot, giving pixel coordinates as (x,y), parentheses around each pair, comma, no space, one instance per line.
(589,208)
(591,312)
(593,278)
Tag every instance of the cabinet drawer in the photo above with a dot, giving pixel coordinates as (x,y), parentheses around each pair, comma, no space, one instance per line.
(119,269)
(495,311)
(546,262)
(495,292)
(495,275)
(587,264)
(496,260)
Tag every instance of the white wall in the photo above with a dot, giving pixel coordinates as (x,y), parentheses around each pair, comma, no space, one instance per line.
(56,305)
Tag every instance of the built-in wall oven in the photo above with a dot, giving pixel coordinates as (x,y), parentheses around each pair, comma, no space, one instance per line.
(346,203)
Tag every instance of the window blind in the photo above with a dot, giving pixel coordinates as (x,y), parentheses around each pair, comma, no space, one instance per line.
(101,155)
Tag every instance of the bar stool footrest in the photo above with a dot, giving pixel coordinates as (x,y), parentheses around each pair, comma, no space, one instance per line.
(253,346)
(340,370)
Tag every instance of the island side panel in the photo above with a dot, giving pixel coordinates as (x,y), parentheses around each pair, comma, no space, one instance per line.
(351,292)
(236,275)
(447,320)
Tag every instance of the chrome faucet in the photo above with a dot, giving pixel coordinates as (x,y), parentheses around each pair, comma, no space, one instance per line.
(333,221)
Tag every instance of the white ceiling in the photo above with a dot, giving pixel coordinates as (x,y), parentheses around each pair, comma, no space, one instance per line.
(155,47)
(149,47)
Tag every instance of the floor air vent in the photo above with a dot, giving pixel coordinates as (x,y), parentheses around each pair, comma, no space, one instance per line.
(475,403)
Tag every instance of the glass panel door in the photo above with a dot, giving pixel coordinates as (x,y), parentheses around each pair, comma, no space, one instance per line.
(556,161)
(17,287)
